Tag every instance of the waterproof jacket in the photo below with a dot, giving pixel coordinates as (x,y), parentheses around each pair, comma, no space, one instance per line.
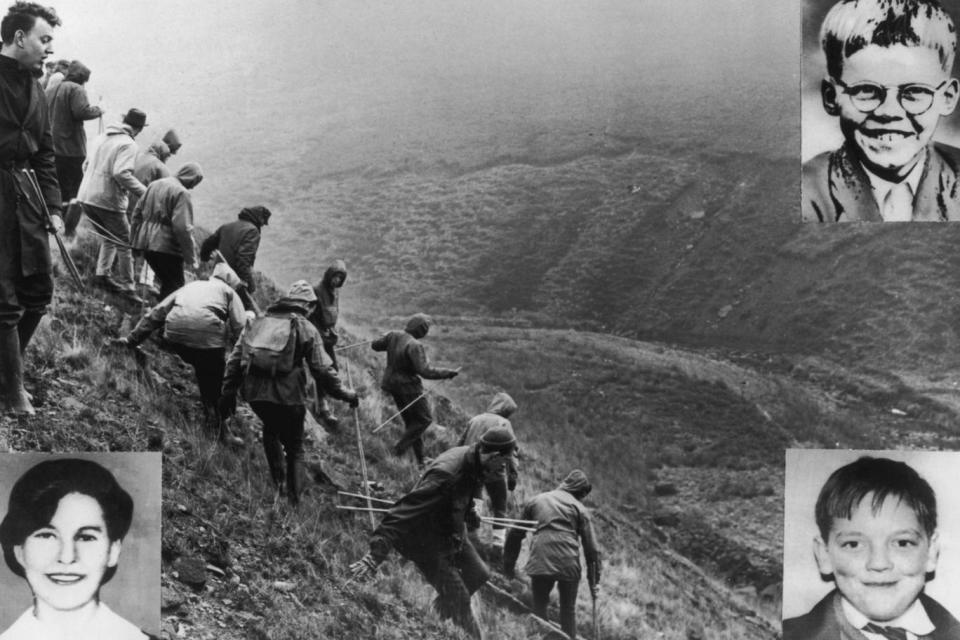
(291,388)
(406,359)
(203,314)
(109,173)
(69,108)
(25,140)
(835,188)
(826,621)
(562,524)
(238,242)
(501,407)
(149,166)
(430,519)
(324,317)
(163,219)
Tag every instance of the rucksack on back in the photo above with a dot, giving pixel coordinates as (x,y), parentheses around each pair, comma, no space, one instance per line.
(269,345)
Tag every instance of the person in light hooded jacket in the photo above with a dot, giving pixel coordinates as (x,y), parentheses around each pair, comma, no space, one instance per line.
(563,523)
(69,109)
(200,321)
(107,179)
(501,480)
(325,316)
(406,364)
(163,227)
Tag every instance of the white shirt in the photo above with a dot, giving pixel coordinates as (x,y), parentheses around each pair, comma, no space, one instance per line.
(895,199)
(915,620)
(104,625)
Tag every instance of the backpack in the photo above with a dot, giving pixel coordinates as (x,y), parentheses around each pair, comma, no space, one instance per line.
(269,345)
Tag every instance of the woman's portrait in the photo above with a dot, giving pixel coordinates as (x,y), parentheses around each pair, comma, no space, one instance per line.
(72,524)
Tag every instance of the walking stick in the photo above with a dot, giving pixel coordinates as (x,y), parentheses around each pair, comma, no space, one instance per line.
(363,460)
(596,623)
(67,260)
(351,346)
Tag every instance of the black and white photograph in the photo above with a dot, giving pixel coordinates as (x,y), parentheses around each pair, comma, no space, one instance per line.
(870,543)
(879,96)
(454,319)
(81,544)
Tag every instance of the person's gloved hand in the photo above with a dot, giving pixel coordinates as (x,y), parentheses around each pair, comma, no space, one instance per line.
(364,568)
(354,399)
(56,223)
(227,406)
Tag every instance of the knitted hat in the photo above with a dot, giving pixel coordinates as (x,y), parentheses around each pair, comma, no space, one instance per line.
(576,483)
(301,291)
(498,439)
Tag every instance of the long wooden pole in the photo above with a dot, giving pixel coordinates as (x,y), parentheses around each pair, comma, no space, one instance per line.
(363,461)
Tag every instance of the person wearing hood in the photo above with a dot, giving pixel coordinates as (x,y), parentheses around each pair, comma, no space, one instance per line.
(200,321)
(406,364)
(26,282)
(238,242)
(172,140)
(69,109)
(163,227)
(107,180)
(503,480)
(325,316)
(428,526)
(563,523)
(149,166)
(270,364)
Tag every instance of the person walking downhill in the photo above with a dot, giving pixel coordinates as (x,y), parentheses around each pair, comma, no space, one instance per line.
(103,194)
(200,322)
(428,526)
(563,523)
(324,318)
(406,364)
(163,227)
(26,285)
(238,242)
(504,480)
(269,361)
(69,109)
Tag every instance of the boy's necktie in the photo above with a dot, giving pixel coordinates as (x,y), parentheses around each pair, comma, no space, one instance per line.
(898,205)
(892,633)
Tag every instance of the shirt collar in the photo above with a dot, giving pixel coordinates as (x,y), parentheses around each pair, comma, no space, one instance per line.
(915,619)
(882,187)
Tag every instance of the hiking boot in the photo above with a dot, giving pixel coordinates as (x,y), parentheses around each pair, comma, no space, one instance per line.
(130,295)
(13,397)
(106,283)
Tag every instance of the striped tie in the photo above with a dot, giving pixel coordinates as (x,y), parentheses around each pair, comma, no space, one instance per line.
(892,633)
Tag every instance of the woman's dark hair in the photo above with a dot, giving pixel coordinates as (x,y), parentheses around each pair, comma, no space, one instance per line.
(36,495)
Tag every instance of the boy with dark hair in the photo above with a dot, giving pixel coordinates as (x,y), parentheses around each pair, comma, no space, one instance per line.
(878,541)
(889,82)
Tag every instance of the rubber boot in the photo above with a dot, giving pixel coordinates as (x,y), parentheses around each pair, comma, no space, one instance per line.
(13,397)
(26,328)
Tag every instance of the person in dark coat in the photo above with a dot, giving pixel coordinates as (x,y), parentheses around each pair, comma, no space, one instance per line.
(504,480)
(325,316)
(563,523)
(162,227)
(428,527)
(26,285)
(69,109)
(279,399)
(406,364)
(238,242)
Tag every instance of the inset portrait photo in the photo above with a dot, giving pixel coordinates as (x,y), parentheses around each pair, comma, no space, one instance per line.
(871,545)
(879,136)
(80,535)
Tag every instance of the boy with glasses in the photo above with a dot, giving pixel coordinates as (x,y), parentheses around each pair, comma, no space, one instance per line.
(888,80)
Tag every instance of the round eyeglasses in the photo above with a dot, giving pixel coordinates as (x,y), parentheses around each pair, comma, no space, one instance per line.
(915,98)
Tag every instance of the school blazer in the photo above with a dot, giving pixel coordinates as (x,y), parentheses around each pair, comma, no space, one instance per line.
(835,188)
(827,622)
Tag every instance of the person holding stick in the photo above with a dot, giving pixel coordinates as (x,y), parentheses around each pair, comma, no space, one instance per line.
(324,318)
(428,526)
(563,523)
(26,285)
(406,364)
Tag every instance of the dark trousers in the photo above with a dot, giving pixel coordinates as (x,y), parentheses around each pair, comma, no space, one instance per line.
(208,365)
(69,174)
(283,437)
(169,271)
(19,294)
(456,577)
(416,419)
(542,586)
(330,347)
(497,492)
